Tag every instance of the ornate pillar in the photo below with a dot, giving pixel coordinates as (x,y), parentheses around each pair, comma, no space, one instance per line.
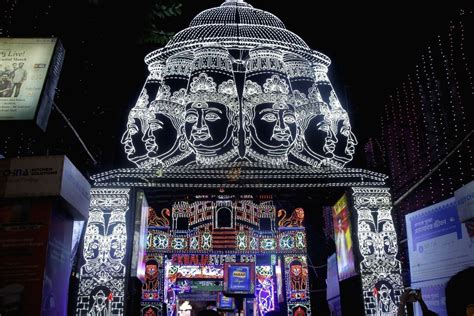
(380,270)
(297,285)
(106,252)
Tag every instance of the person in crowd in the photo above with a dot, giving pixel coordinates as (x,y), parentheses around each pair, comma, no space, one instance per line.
(459,294)
(412,296)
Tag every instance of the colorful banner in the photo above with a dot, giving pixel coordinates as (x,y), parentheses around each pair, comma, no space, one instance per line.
(343,239)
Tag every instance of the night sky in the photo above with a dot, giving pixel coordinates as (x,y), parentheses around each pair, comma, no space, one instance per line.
(372,45)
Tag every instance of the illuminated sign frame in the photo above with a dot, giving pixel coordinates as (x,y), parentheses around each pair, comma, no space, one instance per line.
(32,87)
(231,288)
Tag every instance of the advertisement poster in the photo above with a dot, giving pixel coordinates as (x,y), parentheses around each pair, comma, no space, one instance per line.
(23,246)
(24,64)
(343,239)
(239,278)
(439,246)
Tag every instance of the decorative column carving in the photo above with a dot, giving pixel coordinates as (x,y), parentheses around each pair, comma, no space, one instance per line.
(105,253)
(377,240)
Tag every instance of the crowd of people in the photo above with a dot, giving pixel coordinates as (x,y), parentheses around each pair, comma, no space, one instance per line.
(11,80)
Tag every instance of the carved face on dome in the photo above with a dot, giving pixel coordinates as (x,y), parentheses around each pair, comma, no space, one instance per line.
(274,126)
(319,136)
(270,118)
(210,116)
(161,137)
(132,139)
(346,140)
(207,126)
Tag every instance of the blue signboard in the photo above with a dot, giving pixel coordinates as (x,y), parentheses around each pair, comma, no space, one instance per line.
(225,303)
(239,278)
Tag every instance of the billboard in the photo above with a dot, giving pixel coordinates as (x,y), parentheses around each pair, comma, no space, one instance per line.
(239,278)
(343,239)
(29,70)
(439,246)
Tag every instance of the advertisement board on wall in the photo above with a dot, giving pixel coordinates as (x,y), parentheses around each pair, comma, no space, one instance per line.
(343,239)
(29,71)
(438,247)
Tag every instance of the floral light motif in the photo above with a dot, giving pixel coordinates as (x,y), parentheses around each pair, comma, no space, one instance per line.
(265,289)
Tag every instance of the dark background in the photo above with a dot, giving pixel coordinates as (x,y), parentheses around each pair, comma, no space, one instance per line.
(373,46)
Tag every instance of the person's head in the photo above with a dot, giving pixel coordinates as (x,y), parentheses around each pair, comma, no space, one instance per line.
(14,66)
(211,305)
(20,65)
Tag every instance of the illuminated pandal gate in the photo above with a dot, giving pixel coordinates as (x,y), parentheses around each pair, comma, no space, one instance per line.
(187,263)
(235,102)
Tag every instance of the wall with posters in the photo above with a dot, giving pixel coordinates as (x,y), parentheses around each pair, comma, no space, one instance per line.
(439,246)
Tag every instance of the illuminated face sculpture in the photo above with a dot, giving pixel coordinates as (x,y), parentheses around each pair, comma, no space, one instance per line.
(162,136)
(269,112)
(341,128)
(211,112)
(132,139)
(317,141)
(346,140)
(207,126)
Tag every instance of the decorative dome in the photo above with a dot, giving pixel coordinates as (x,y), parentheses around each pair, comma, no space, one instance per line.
(237,86)
(237,24)
(234,13)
